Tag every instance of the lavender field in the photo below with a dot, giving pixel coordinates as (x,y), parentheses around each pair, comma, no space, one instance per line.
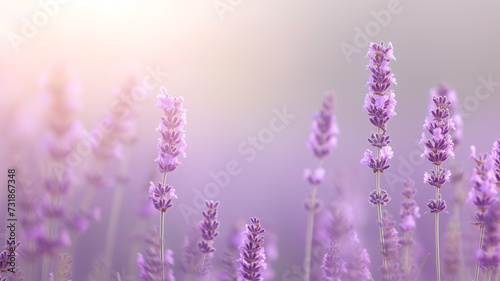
(243,140)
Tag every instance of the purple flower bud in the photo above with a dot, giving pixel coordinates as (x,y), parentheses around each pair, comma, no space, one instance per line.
(314,177)
(376,198)
(161,196)
(436,206)
(489,254)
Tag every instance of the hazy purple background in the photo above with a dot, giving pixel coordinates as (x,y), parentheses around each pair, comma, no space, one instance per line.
(232,73)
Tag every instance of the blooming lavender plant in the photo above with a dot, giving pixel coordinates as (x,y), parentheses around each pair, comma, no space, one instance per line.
(483,192)
(322,140)
(409,213)
(437,150)
(380,104)
(252,257)
(5,259)
(171,145)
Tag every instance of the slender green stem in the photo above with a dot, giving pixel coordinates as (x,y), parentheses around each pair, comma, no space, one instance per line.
(162,227)
(310,229)
(162,254)
(379,212)
(309,237)
(480,246)
(438,266)
(115,214)
(489,275)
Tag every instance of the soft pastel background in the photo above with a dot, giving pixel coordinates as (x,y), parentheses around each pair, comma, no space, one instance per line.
(233,71)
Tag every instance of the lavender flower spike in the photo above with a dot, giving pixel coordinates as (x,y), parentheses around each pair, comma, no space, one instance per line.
(390,272)
(437,150)
(380,104)
(252,257)
(209,226)
(172,142)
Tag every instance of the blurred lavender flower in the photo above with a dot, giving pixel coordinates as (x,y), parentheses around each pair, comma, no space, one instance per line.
(64,269)
(323,139)
(495,154)
(324,129)
(334,225)
(483,192)
(229,264)
(390,271)
(252,258)
(333,266)
(380,104)
(409,214)
(192,256)
(5,260)
(437,150)
(150,264)
(489,253)
(452,255)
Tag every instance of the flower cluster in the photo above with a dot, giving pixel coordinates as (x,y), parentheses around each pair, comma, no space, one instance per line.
(252,258)
(64,269)
(333,266)
(161,196)
(172,142)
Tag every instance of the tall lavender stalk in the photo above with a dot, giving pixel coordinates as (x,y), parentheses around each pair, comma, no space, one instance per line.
(437,150)
(171,145)
(409,214)
(323,138)
(380,104)
(252,257)
(483,192)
